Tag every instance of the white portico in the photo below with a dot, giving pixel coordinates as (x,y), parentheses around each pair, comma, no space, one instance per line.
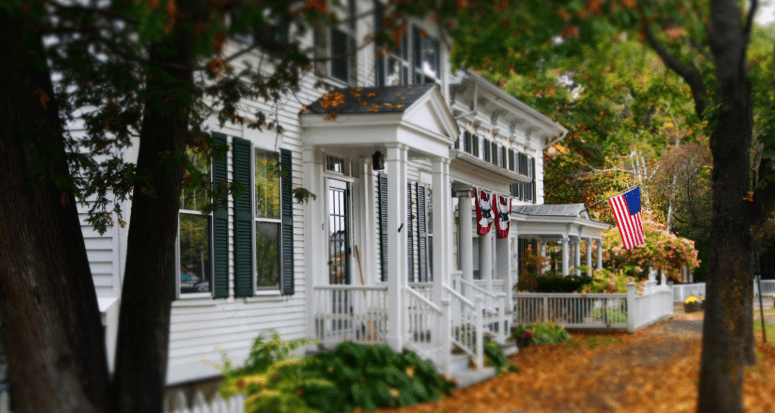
(569,224)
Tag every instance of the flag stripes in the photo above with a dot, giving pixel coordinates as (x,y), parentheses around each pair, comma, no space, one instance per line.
(630,226)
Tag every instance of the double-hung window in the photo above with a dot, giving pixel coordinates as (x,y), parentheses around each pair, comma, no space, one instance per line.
(495,153)
(194,238)
(268,221)
(487,154)
(427,58)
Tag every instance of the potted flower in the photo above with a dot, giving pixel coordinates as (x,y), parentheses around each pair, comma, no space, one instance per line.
(522,336)
(702,302)
(691,305)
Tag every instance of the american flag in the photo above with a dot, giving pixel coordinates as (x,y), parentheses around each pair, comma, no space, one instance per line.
(628,217)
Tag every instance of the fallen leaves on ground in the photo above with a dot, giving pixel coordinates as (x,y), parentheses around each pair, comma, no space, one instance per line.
(655,369)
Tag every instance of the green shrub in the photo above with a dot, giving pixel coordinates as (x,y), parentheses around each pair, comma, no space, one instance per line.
(493,355)
(548,333)
(354,375)
(551,283)
(613,315)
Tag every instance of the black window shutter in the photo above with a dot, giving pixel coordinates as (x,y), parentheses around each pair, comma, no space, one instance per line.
(504,164)
(340,65)
(475,142)
(512,163)
(383,218)
(422,235)
(409,233)
(417,46)
(487,155)
(379,62)
(321,50)
(286,200)
(243,220)
(220,229)
(533,175)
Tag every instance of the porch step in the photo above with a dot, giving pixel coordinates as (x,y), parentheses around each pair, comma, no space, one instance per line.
(510,348)
(468,377)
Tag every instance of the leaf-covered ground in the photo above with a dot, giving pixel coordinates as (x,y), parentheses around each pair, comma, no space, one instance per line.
(655,369)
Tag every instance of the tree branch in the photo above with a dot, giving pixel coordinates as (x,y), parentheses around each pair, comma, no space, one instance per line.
(689,73)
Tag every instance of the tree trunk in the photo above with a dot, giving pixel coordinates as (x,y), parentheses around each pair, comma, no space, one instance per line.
(51,329)
(730,274)
(141,360)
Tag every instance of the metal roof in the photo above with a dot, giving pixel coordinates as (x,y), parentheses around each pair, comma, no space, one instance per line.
(566,210)
(386,99)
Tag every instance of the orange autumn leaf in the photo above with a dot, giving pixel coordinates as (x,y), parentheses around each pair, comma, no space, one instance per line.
(675,33)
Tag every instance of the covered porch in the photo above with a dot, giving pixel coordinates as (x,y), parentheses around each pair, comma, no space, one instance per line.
(567,224)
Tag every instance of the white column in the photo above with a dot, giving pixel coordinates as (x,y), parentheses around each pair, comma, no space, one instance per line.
(486,257)
(442,202)
(395,164)
(589,254)
(577,255)
(466,236)
(599,243)
(314,231)
(565,255)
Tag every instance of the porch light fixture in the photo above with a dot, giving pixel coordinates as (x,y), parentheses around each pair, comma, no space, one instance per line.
(378,161)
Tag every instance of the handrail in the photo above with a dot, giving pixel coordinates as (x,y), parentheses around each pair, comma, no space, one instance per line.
(351,287)
(459,296)
(427,302)
(482,290)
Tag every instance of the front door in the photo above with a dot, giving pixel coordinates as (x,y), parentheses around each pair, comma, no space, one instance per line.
(338,232)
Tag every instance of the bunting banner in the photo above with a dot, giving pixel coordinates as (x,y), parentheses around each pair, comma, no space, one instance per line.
(503,216)
(484,213)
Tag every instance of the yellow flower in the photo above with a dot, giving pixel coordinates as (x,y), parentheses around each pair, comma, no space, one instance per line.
(691,299)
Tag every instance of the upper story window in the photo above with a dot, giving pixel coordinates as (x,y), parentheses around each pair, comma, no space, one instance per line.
(335,48)
(503,157)
(470,143)
(397,68)
(512,161)
(427,58)
(194,237)
(495,153)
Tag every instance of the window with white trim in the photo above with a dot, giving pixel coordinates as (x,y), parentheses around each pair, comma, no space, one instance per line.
(268,220)
(194,237)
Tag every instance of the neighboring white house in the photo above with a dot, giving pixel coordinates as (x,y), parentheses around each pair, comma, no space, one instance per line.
(388,255)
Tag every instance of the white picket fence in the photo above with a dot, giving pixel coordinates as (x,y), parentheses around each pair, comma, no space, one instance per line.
(683,291)
(631,311)
(180,404)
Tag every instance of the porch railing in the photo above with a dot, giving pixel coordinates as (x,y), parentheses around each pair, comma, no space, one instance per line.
(572,310)
(466,324)
(426,327)
(495,319)
(350,313)
(631,311)
(424,288)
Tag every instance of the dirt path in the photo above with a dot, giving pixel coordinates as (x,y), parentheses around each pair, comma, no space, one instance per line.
(653,370)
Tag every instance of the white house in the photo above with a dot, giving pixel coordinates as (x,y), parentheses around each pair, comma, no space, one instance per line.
(389,250)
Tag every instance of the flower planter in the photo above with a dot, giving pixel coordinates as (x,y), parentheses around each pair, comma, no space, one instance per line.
(691,307)
(523,342)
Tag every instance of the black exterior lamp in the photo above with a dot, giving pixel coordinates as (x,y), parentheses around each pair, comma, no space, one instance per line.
(378,161)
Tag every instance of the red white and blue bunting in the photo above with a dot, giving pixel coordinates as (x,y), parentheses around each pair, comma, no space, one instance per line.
(503,216)
(484,212)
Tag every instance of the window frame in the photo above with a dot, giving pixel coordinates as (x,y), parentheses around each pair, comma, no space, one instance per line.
(418,43)
(266,291)
(195,295)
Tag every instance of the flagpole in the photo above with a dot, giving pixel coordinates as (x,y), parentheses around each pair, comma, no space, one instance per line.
(607,198)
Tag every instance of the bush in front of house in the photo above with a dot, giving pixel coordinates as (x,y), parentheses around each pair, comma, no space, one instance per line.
(543,333)
(354,375)
(552,283)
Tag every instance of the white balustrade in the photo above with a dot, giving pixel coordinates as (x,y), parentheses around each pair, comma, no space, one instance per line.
(350,313)
(199,404)
(466,324)
(630,311)
(424,320)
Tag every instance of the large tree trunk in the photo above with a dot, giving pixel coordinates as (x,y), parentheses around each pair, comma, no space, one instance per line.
(730,275)
(141,360)
(51,328)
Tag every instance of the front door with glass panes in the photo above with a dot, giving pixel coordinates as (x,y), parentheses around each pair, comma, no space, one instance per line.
(338,232)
